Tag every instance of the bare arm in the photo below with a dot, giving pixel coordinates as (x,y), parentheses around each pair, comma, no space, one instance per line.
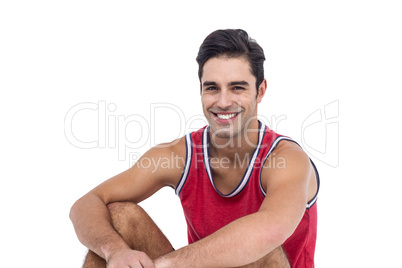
(90,215)
(92,224)
(250,238)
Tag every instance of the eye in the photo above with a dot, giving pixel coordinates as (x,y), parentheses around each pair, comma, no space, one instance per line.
(210,88)
(238,88)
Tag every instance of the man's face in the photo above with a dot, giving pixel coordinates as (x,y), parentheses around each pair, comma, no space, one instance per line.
(229,95)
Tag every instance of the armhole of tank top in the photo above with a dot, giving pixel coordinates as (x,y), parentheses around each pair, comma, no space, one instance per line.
(317,177)
(186,170)
(273,146)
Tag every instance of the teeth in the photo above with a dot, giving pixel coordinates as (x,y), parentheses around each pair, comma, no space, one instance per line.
(225,116)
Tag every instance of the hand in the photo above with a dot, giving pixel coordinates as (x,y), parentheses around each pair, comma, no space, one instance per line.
(129,258)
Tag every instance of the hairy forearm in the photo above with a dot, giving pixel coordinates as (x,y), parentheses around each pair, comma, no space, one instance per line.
(92,224)
(241,242)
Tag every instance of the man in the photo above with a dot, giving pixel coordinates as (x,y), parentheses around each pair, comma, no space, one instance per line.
(248,194)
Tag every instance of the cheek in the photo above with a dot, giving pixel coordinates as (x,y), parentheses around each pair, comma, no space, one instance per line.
(247,102)
(206,101)
(252,105)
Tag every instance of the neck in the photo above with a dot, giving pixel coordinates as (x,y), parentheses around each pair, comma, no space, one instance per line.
(243,143)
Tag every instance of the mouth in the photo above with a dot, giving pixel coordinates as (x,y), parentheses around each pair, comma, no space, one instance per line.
(225,117)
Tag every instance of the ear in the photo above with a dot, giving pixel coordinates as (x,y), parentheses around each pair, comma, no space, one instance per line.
(261,90)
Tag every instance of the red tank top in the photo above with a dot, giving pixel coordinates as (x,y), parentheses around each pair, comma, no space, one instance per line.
(206,209)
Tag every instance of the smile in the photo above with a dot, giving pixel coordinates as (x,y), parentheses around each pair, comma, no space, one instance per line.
(226,116)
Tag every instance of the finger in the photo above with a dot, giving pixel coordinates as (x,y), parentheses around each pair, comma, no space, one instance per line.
(146,262)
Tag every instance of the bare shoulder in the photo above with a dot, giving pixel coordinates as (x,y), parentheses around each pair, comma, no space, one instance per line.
(286,162)
(165,160)
(160,166)
(290,151)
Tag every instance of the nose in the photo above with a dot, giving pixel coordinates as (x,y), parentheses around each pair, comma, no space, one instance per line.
(224,99)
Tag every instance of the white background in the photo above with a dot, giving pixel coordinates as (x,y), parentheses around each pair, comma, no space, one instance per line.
(58,54)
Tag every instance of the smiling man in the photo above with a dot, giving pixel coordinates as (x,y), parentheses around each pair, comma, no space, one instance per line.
(242,208)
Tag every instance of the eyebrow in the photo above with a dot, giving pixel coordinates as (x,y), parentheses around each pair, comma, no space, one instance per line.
(241,83)
(211,83)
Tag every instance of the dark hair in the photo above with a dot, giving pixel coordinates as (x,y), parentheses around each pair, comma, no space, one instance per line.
(232,43)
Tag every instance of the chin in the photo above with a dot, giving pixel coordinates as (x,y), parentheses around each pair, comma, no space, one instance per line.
(223,133)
